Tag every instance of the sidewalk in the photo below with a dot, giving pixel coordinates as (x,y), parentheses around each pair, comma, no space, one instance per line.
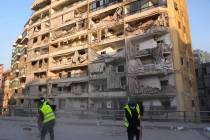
(95,122)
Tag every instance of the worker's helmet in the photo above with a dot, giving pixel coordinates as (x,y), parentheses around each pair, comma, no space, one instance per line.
(41,99)
(132,103)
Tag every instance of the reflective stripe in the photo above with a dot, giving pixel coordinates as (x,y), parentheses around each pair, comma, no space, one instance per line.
(138,110)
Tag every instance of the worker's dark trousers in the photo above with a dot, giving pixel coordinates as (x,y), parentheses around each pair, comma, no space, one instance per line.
(133,133)
(48,127)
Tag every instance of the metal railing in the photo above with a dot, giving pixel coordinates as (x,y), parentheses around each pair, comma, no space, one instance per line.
(97,4)
(142,8)
(104,114)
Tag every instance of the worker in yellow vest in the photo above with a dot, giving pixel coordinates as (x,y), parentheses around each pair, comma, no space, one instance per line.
(47,117)
(132,120)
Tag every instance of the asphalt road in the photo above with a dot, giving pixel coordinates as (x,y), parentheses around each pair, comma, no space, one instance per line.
(12,130)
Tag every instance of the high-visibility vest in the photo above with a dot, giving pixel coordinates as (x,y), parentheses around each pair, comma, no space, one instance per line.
(129,110)
(48,113)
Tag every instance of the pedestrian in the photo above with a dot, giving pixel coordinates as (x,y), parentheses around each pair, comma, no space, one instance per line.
(133,120)
(47,119)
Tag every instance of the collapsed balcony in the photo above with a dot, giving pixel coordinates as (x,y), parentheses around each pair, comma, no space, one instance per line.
(147,27)
(37,90)
(107,19)
(40,40)
(68,74)
(70,29)
(107,35)
(23,73)
(78,42)
(39,65)
(153,69)
(39,29)
(154,86)
(15,83)
(69,18)
(40,76)
(65,6)
(133,7)
(108,75)
(40,18)
(74,59)
(38,52)
(69,88)
(150,56)
(161,49)
(39,4)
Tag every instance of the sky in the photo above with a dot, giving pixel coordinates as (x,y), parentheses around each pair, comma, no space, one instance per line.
(15,13)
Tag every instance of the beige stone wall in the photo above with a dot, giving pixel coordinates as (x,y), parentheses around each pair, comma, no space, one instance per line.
(182,51)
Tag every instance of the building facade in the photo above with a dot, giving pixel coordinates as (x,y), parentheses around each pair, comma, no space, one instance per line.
(7,94)
(1,85)
(203,76)
(93,54)
(18,67)
(201,57)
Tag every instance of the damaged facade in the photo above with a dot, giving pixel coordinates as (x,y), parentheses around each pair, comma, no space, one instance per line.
(18,73)
(1,85)
(6,91)
(95,54)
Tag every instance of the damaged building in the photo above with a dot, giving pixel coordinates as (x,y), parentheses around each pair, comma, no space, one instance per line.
(95,54)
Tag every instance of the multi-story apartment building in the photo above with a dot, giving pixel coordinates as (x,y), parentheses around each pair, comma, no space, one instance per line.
(203,76)
(18,67)
(6,90)
(201,57)
(94,54)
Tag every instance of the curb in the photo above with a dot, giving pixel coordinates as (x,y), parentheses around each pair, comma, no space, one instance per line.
(107,124)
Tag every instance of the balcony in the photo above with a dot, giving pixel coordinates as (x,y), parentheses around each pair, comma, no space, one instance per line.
(77,59)
(62,7)
(79,78)
(39,68)
(37,81)
(98,76)
(142,6)
(38,53)
(150,26)
(107,20)
(22,73)
(39,65)
(15,84)
(39,4)
(105,36)
(114,94)
(40,29)
(70,31)
(152,69)
(68,46)
(39,18)
(164,49)
(97,4)
(150,92)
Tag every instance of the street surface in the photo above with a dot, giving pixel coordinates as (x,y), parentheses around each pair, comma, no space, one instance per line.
(20,130)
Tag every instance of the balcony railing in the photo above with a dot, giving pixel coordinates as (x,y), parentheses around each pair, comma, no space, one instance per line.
(37,55)
(98,76)
(152,69)
(98,4)
(165,49)
(69,7)
(138,6)
(79,77)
